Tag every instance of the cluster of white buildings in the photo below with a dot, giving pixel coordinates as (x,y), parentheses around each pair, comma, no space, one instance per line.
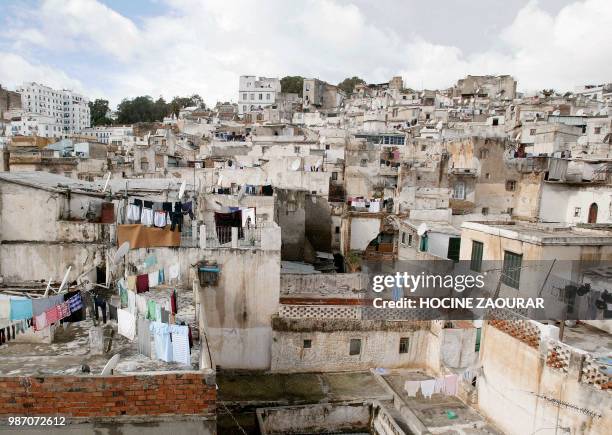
(48,112)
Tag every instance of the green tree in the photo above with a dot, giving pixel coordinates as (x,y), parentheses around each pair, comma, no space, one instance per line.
(292,84)
(349,83)
(179,103)
(98,110)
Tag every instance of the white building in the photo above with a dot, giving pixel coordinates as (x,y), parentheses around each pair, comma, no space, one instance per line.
(34,124)
(118,135)
(68,110)
(257,93)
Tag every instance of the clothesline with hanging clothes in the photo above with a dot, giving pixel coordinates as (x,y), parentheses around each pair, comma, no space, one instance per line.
(441,385)
(159,214)
(142,318)
(18,314)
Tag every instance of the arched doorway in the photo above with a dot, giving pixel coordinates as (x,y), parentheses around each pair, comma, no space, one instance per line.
(593,213)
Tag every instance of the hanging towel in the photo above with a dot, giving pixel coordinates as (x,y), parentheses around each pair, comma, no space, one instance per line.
(144,337)
(450,385)
(158,312)
(133,213)
(173,271)
(161,277)
(123,297)
(427,388)
(142,283)
(21,309)
(126,324)
(52,315)
(151,260)
(131,282)
(154,279)
(412,387)
(41,305)
(439,386)
(141,305)
(173,302)
(180,344)
(165,316)
(131,306)
(63,310)
(146,218)
(151,310)
(161,337)
(40,322)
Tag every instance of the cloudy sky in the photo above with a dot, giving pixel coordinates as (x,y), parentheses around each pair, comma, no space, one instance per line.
(117,48)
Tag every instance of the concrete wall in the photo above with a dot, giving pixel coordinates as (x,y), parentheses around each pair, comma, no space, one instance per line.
(236,314)
(363,231)
(512,371)
(330,348)
(457,349)
(559,203)
(291,217)
(319,418)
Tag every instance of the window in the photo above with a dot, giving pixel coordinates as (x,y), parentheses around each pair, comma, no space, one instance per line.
(423,147)
(404,344)
(252,96)
(495,121)
(244,96)
(510,185)
(364,163)
(511,269)
(337,229)
(244,108)
(355,346)
(484,153)
(296,150)
(510,210)
(476,260)
(403,238)
(532,132)
(267,96)
(409,239)
(487,176)
(334,176)
(307,344)
(597,130)
(459,190)
(485,211)
(327,146)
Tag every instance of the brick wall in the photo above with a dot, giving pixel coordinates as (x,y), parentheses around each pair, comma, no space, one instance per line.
(110,396)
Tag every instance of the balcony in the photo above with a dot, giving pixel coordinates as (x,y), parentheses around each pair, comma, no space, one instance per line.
(466,172)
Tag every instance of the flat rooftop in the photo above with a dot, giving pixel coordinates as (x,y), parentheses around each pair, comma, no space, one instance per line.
(544,234)
(70,348)
(433,412)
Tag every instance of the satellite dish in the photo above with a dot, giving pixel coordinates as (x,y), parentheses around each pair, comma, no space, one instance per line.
(439,125)
(123,249)
(182,189)
(110,365)
(556,112)
(518,136)
(219,180)
(580,112)
(422,229)
(295,165)
(107,181)
(59,290)
(318,164)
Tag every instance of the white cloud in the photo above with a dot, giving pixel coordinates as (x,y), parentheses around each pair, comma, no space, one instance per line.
(15,70)
(203,46)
